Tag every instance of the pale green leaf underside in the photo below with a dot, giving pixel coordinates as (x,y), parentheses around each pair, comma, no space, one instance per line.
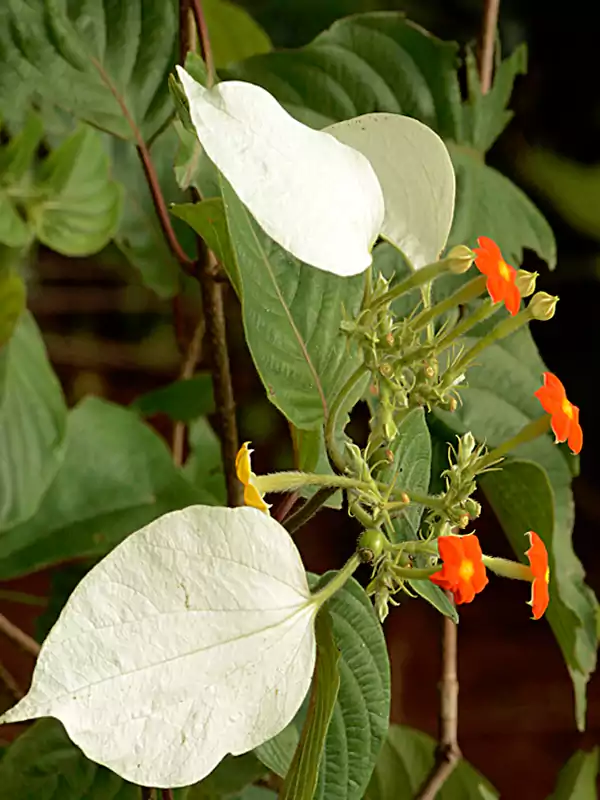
(320,200)
(578,779)
(234,35)
(193,639)
(416,177)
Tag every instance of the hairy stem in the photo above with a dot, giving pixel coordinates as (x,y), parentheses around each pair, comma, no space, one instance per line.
(334,412)
(448,752)
(339,579)
(309,509)
(418,278)
(467,292)
(7,679)
(187,371)
(207,53)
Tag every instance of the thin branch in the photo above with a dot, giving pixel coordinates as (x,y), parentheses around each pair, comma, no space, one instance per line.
(158,199)
(488,42)
(25,642)
(7,679)
(309,509)
(204,40)
(187,30)
(167,794)
(285,505)
(147,793)
(192,357)
(216,333)
(448,752)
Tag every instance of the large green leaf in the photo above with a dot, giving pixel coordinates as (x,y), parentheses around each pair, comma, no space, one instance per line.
(578,779)
(44,764)
(182,400)
(523,500)
(12,302)
(360,717)
(380,62)
(231,776)
(234,35)
(116,476)
(204,467)
(489,204)
(292,315)
(405,761)
(80,206)
(32,423)
(303,773)
(106,62)
(368,62)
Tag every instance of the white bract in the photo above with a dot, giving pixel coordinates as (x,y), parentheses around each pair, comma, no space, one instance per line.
(316,197)
(194,638)
(416,176)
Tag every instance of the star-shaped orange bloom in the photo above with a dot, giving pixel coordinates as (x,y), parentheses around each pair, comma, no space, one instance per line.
(538,562)
(565,416)
(500,275)
(243,469)
(463,571)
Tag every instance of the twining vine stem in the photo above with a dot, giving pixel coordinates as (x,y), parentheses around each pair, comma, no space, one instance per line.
(488,42)
(25,642)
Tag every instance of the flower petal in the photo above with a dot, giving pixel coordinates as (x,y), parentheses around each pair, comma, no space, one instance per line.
(540,597)
(537,555)
(316,197)
(243,466)
(576,433)
(512,297)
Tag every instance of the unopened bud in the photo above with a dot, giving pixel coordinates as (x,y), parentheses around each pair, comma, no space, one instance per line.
(404,498)
(459,259)
(464,520)
(389,337)
(389,456)
(386,370)
(525,282)
(542,306)
(429,371)
(473,508)
(452,404)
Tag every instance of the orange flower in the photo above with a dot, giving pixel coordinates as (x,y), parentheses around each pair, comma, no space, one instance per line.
(463,572)
(243,469)
(538,562)
(500,275)
(565,416)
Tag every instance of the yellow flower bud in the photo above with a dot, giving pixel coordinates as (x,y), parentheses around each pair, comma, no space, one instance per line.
(542,306)
(525,282)
(459,259)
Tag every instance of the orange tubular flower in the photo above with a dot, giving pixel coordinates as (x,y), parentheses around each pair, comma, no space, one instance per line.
(500,275)
(463,571)
(538,562)
(565,416)
(243,469)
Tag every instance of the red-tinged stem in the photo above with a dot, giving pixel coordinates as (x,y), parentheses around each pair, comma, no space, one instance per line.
(25,642)
(207,53)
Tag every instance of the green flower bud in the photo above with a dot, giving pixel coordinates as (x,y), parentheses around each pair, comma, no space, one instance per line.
(525,282)
(542,306)
(460,259)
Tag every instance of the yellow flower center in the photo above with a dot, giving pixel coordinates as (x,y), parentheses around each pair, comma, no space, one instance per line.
(504,270)
(466,570)
(567,408)
(547,575)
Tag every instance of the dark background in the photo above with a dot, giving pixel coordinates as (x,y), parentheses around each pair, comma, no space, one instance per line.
(110,338)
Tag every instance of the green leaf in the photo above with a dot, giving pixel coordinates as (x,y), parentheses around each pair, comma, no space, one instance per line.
(489,204)
(12,302)
(361,714)
(139,236)
(234,35)
(32,423)
(577,780)
(485,116)
(81,205)
(411,472)
(116,476)
(182,400)
(16,157)
(14,230)
(407,758)
(298,348)
(310,455)
(368,62)
(523,499)
(301,778)
(43,764)
(209,221)
(231,776)
(277,753)
(105,62)
(204,467)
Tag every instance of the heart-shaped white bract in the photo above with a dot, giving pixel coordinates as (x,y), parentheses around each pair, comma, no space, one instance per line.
(194,638)
(417,178)
(317,198)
